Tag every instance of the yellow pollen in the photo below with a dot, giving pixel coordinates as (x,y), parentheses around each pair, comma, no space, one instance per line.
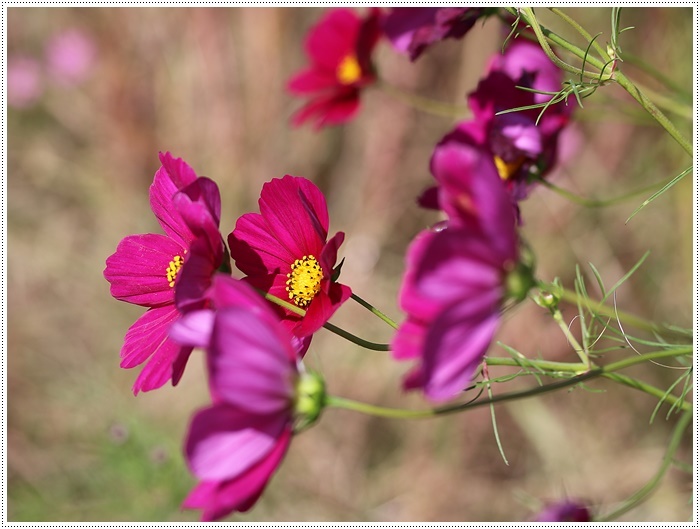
(349,70)
(506,169)
(304,281)
(173,269)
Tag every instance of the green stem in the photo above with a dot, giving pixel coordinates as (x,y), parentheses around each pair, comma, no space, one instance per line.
(653,110)
(647,388)
(329,326)
(587,36)
(356,340)
(595,203)
(643,492)
(544,365)
(375,311)
(430,106)
(398,413)
(603,310)
(582,354)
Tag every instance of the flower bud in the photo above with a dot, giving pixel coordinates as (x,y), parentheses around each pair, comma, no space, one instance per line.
(519,281)
(310,399)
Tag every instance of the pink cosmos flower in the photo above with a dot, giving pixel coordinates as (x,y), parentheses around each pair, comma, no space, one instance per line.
(456,277)
(24,83)
(340,49)
(168,273)
(564,511)
(235,445)
(283,250)
(70,57)
(412,29)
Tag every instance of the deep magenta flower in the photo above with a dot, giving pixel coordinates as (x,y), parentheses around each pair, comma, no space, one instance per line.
(564,511)
(340,49)
(235,445)
(168,273)
(457,276)
(283,251)
(412,29)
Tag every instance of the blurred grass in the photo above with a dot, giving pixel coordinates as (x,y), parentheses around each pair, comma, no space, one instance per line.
(208,85)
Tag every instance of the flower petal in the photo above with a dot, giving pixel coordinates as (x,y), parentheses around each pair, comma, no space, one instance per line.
(194,328)
(147,341)
(223,442)
(196,273)
(333,38)
(256,250)
(322,308)
(217,499)
(137,271)
(311,81)
(251,362)
(329,254)
(329,109)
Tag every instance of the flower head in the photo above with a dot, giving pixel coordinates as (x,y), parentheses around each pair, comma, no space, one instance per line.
(24,82)
(70,57)
(235,445)
(340,49)
(564,511)
(167,273)
(456,277)
(284,251)
(412,29)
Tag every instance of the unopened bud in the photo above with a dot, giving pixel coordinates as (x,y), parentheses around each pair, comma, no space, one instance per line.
(519,281)
(310,399)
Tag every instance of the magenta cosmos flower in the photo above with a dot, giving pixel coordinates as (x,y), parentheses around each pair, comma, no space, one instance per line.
(412,29)
(564,511)
(340,49)
(235,445)
(168,273)
(283,251)
(457,277)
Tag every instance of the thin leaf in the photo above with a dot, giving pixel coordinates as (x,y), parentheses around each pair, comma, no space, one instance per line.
(627,275)
(660,192)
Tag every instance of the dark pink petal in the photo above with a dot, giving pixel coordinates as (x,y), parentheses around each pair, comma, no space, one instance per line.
(200,206)
(296,213)
(196,273)
(456,343)
(409,339)
(256,250)
(250,362)
(335,109)
(367,38)
(428,199)
(219,498)
(147,341)
(311,81)
(137,271)
(329,254)
(322,308)
(173,175)
(224,442)
(333,38)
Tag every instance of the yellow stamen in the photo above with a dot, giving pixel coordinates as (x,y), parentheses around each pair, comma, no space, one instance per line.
(304,281)
(507,169)
(349,70)
(173,269)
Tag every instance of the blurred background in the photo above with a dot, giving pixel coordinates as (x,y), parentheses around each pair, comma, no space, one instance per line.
(94,94)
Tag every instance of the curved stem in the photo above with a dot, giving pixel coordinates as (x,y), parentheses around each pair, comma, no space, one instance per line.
(337,330)
(653,110)
(375,311)
(582,354)
(566,18)
(429,106)
(356,340)
(398,413)
(642,493)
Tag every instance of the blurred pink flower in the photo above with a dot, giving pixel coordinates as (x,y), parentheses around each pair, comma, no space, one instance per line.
(412,29)
(456,276)
(169,273)
(564,511)
(283,251)
(340,48)
(24,83)
(235,445)
(70,57)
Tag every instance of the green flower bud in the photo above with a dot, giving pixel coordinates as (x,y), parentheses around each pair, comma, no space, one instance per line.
(518,282)
(310,399)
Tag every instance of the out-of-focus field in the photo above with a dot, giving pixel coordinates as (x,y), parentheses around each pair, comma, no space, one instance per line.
(208,85)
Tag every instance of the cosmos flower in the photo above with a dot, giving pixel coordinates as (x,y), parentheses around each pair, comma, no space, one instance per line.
(146,269)
(412,29)
(564,511)
(283,250)
(235,445)
(458,276)
(340,50)
(24,82)
(70,57)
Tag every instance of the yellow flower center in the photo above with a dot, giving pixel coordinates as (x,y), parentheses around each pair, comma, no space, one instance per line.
(349,70)
(304,281)
(173,269)
(506,169)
